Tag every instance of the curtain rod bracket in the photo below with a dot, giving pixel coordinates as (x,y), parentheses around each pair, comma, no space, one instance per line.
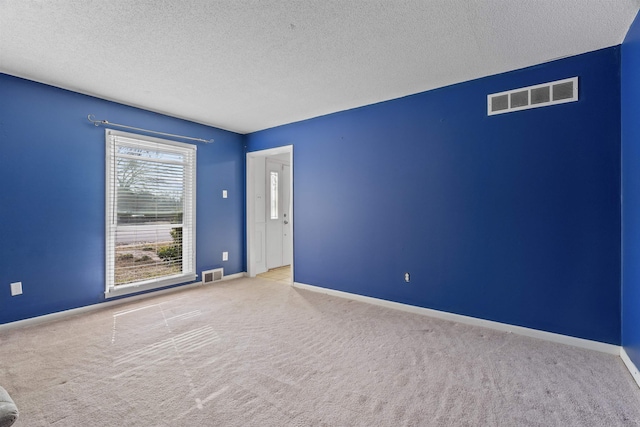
(96,123)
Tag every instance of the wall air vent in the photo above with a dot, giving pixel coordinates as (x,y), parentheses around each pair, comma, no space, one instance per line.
(211,276)
(552,93)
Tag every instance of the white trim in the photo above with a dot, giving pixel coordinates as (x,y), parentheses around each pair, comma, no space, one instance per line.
(234,276)
(149,285)
(99,306)
(630,365)
(505,327)
(135,140)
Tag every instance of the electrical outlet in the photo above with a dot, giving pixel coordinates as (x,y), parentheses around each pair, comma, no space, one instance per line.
(225,256)
(407,278)
(224,194)
(16,289)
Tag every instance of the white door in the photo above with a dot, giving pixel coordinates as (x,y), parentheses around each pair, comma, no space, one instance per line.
(278,214)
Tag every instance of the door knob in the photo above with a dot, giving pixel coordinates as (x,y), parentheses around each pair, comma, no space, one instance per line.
(286,222)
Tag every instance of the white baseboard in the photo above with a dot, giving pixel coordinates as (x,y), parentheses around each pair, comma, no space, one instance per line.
(630,365)
(234,276)
(505,327)
(87,308)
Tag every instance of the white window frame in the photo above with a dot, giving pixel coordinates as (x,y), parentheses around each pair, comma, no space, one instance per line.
(188,273)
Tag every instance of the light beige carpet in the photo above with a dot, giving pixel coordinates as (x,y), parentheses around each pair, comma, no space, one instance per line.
(252,352)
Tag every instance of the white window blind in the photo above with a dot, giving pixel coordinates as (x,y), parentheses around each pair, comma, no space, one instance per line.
(150,213)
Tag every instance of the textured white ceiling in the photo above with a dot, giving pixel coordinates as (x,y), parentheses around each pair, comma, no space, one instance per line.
(247,65)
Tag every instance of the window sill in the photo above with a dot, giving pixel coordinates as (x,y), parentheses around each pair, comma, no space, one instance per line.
(147,286)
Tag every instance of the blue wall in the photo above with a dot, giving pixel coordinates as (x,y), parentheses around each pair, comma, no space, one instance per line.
(513,218)
(52,195)
(631,192)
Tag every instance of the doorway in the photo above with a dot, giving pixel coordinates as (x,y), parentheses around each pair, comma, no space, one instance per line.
(281,274)
(278,211)
(270,212)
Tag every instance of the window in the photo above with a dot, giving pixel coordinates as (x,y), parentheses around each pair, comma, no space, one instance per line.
(274,195)
(150,213)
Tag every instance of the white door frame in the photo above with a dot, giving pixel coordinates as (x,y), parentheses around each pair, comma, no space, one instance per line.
(251,158)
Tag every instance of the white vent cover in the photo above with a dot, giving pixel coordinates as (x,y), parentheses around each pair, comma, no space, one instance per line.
(552,93)
(211,276)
